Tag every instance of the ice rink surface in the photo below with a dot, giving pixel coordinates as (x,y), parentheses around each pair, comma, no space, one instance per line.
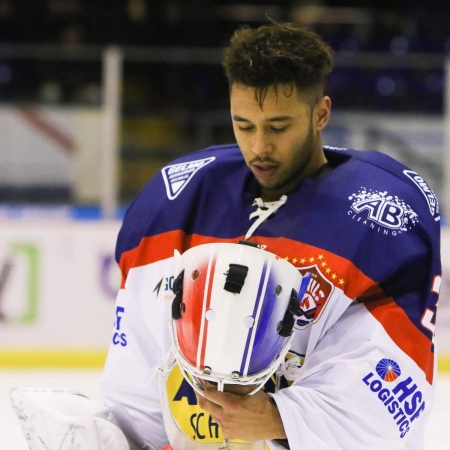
(87,382)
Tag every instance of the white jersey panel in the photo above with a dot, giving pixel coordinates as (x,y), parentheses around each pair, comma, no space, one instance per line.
(348,390)
(140,340)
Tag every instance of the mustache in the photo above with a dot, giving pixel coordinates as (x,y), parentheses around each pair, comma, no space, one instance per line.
(258,159)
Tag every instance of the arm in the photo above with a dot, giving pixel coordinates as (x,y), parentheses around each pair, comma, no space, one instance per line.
(345,399)
(340,401)
(135,352)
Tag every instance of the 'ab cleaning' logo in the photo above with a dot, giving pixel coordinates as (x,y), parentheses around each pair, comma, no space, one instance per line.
(177,176)
(402,400)
(386,214)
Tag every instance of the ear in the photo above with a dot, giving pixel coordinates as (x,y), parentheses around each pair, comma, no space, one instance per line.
(322,113)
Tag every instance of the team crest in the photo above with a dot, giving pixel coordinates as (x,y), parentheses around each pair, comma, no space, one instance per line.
(315,299)
(177,176)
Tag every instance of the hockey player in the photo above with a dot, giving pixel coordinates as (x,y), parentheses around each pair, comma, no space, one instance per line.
(364,226)
(360,371)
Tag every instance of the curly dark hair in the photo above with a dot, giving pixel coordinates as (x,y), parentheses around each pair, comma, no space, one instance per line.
(278,53)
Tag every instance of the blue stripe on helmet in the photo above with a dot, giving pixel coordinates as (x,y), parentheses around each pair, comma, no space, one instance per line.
(251,331)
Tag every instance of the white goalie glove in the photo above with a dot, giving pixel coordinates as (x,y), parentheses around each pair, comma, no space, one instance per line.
(64,420)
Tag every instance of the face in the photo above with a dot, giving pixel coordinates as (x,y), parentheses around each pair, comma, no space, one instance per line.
(280,140)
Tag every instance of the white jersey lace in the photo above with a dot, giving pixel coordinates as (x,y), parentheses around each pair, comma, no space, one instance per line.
(264,211)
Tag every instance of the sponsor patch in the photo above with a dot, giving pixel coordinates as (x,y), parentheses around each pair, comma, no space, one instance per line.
(177,176)
(429,195)
(388,370)
(400,395)
(165,284)
(119,337)
(382,212)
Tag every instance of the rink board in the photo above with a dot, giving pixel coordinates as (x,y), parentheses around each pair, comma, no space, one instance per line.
(58,282)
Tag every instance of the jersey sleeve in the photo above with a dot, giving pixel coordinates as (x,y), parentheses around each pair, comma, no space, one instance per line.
(368,378)
(140,337)
(129,377)
(357,389)
(156,224)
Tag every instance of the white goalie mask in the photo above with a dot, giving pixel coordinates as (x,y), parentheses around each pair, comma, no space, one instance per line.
(233,313)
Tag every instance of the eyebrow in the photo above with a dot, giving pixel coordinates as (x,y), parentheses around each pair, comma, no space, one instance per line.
(237,118)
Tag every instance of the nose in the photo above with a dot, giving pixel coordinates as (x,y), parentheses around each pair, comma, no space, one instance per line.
(261,144)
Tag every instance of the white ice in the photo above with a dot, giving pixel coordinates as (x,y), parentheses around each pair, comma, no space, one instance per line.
(87,382)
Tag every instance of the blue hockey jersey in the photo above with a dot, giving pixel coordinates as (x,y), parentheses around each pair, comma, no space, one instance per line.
(368,233)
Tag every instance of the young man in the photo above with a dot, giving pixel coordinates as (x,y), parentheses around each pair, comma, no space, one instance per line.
(361,368)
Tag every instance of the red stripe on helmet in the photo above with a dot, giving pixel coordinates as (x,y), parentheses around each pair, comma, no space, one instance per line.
(207,306)
(189,326)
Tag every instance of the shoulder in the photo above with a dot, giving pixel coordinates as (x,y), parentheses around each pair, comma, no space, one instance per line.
(198,166)
(376,176)
(182,177)
(167,200)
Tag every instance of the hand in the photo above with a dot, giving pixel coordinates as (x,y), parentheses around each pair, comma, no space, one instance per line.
(246,417)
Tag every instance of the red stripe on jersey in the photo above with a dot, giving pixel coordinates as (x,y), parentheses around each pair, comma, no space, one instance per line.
(161,246)
(357,285)
(150,250)
(404,333)
(339,271)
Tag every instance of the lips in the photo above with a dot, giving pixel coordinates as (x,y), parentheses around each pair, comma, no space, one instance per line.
(264,170)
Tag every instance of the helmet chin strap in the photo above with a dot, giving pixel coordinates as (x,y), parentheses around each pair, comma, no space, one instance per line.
(264,211)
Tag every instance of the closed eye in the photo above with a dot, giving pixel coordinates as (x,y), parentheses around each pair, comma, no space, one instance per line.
(248,128)
(278,129)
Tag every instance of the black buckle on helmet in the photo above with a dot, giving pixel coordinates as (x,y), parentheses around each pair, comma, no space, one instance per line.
(249,243)
(177,309)
(286,325)
(235,278)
